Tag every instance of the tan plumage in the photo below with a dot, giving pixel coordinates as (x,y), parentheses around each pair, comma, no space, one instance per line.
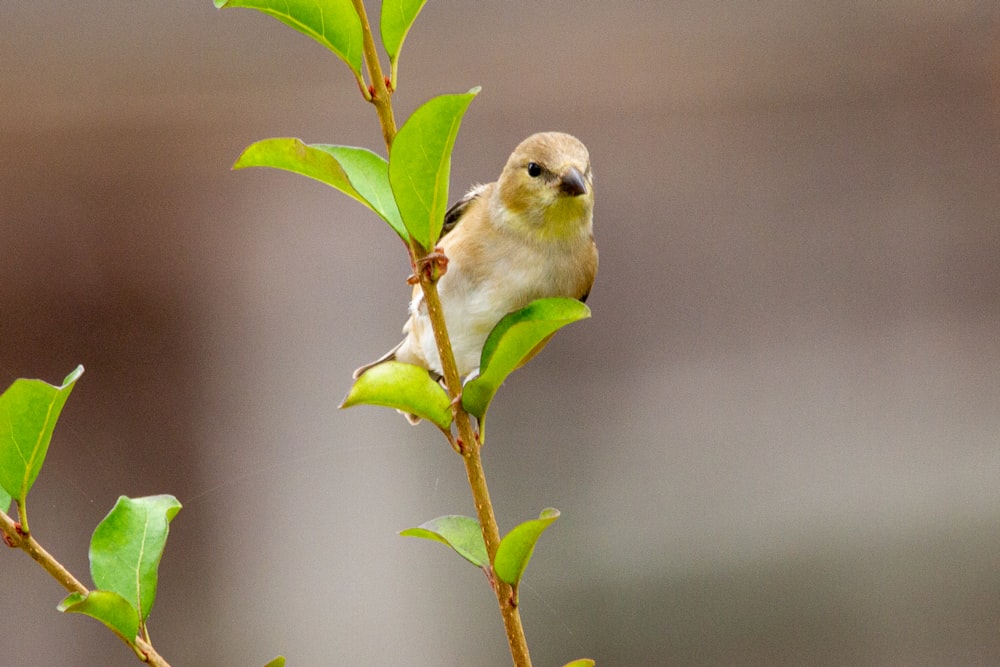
(527,236)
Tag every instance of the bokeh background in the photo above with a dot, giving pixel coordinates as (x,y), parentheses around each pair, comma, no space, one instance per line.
(777,442)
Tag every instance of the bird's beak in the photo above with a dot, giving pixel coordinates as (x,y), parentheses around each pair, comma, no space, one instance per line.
(572,183)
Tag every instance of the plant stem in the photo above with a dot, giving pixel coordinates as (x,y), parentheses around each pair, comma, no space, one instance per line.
(15,538)
(30,546)
(470,451)
(379,91)
(22,516)
(470,442)
(506,599)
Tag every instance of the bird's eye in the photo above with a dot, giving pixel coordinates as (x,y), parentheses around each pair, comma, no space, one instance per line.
(534,169)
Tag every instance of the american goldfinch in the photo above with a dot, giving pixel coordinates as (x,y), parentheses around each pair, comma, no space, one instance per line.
(527,236)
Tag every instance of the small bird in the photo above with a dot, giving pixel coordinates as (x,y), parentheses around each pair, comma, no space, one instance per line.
(527,236)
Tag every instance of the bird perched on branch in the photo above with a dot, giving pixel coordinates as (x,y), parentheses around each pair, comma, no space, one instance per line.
(527,236)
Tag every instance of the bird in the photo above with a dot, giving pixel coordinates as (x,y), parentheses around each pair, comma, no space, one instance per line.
(528,235)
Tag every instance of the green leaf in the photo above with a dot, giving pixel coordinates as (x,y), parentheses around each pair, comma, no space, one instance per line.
(397,18)
(332,23)
(29,410)
(461,533)
(357,172)
(517,546)
(108,607)
(582,662)
(4,500)
(405,387)
(513,342)
(277,662)
(420,165)
(127,545)
(369,174)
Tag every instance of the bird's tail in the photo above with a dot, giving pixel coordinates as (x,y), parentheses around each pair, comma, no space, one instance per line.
(388,356)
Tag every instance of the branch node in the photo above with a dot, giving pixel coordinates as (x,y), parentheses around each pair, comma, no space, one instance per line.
(433,266)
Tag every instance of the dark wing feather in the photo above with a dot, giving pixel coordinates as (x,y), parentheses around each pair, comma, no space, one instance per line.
(454,214)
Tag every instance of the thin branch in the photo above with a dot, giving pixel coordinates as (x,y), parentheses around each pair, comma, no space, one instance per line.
(378,93)
(468,444)
(15,538)
(470,451)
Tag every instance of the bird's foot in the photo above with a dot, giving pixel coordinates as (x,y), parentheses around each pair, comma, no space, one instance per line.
(433,265)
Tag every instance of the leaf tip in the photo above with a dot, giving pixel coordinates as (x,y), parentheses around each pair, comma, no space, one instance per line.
(73,376)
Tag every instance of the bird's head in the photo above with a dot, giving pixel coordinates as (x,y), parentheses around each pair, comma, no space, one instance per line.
(547,187)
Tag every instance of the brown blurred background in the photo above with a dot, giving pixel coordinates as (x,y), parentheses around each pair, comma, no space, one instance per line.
(777,442)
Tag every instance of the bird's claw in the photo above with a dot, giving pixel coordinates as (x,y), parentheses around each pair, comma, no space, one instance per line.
(433,265)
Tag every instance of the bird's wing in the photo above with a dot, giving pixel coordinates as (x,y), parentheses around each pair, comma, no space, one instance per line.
(454,214)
